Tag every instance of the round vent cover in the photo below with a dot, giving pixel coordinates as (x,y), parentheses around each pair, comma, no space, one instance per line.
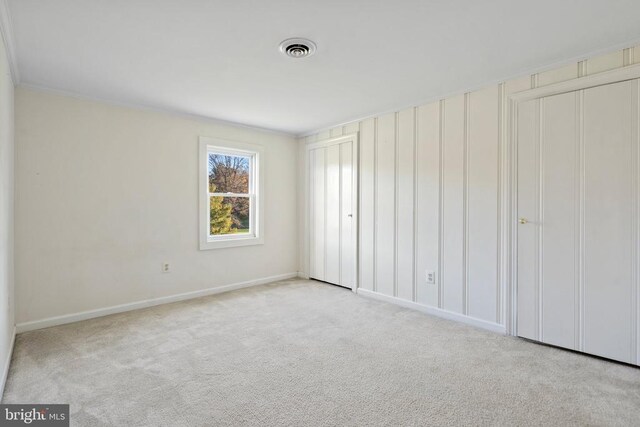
(298,48)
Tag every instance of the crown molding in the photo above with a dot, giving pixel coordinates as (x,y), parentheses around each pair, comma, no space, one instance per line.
(6,31)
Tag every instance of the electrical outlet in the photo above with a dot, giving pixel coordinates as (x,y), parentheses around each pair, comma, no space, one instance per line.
(165,267)
(430,277)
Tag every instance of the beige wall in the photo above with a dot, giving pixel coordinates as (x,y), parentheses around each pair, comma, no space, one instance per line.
(6,213)
(430,195)
(108,193)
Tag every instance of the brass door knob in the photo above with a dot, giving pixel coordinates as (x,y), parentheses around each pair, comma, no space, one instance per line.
(523,220)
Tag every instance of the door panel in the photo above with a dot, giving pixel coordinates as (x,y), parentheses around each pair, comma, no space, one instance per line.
(332,203)
(558,194)
(347,259)
(577,253)
(608,209)
(528,172)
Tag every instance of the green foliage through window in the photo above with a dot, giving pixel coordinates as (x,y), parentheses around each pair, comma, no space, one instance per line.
(229,174)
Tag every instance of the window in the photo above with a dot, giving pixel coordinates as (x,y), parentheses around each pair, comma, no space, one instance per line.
(230,185)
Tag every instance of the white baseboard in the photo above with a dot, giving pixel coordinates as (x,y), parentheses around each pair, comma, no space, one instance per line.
(7,364)
(495,327)
(303,275)
(90,314)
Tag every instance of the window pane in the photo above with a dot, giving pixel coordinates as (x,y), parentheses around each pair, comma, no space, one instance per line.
(229,215)
(229,174)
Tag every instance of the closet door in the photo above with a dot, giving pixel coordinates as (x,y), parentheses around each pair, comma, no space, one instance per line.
(332,218)
(578,220)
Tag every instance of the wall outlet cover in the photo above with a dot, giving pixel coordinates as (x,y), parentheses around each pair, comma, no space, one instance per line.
(430,277)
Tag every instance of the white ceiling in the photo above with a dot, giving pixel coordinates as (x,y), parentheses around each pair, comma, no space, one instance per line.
(220,58)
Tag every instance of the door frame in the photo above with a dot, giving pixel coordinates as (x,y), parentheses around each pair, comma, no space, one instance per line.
(510,165)
(355,200)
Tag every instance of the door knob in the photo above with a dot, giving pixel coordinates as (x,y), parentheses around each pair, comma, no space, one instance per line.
(523,220)
(350,215)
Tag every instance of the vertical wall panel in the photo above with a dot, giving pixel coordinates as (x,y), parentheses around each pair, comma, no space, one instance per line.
(557,75)
(334,132)
(325,134)
(514,86)
(453,204)
(385,204)
(608,209)
(347,220)
(317,270)
(606,62)
(367,207)
(350,128)
(635,55)
(560,219)
(428,203)
(482,201)
(405,209)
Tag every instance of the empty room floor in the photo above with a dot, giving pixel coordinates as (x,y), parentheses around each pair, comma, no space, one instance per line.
(300,352)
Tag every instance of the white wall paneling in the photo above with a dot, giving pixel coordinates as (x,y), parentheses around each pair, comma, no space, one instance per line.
(429,198)
(577,185)
(482,204)
(367,204)
(428,182)
(405,180)
(453,274)
(333,210)
(436,184)
(385,205)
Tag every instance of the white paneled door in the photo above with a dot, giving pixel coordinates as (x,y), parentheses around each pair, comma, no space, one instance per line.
(578,220)
(332,211)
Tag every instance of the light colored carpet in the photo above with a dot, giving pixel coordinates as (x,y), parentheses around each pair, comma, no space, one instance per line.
(301,353)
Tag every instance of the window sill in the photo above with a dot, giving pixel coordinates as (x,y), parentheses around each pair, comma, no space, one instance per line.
(230,243)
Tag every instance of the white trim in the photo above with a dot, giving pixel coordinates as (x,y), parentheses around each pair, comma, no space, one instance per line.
(6,32)
(332,141)
(473,88)
(100,312)
(617,75)
(438,312)
(7,364)
(152,108)
(256,188)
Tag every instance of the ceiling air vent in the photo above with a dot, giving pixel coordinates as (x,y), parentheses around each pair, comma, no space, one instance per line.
(298,48)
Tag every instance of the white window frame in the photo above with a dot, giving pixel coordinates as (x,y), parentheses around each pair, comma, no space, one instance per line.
(256,189)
